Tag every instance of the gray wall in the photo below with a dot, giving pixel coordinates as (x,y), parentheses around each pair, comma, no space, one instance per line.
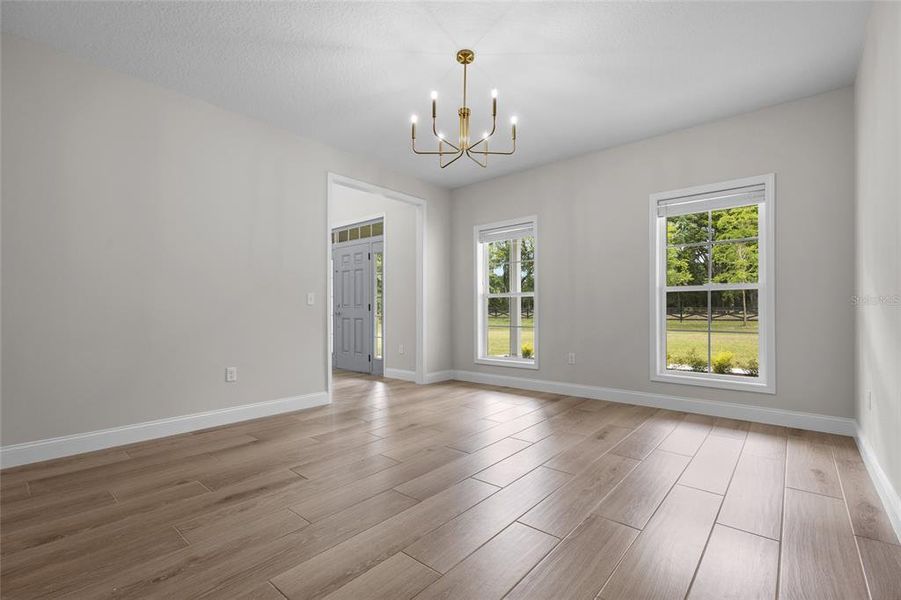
(593,233)
(878,241)
(150,240)
(348,205)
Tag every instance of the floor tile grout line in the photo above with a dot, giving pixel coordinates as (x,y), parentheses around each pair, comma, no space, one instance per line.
(734,528)
(277,591)
(844,499)
(718,511)
(515,520)
(782,520)
(641,529)
(438,573)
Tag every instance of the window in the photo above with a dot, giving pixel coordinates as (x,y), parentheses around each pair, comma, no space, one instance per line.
(506,294)
(379,303)
(712,291)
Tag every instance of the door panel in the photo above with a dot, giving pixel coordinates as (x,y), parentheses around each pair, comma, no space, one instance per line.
(352,313)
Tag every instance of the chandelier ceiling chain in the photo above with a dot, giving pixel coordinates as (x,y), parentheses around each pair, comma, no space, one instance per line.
(474,150)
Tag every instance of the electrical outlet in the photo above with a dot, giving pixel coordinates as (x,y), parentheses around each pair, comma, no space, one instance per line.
(571,358)
(400,349)
(310,298)
(231,374)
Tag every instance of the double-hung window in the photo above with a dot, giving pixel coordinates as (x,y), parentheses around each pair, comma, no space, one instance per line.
(712,285)
(506,293)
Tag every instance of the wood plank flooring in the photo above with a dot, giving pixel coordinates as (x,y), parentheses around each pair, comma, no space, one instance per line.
(453,490)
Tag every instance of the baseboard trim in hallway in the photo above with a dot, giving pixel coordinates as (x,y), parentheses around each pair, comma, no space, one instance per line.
(731,410)
(40,450)
(402,374)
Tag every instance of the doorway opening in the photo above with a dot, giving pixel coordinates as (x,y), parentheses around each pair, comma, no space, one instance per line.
(393,333)
(358,297)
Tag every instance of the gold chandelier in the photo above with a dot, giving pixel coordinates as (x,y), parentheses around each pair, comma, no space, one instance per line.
(473,150)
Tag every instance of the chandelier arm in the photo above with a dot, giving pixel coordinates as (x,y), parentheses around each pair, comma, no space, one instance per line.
(477,161)
(453,160)
(456,150)
(490,134)
(503,153)
(439,152)
(439,138)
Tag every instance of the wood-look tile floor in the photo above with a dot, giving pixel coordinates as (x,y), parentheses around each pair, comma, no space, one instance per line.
(454,491)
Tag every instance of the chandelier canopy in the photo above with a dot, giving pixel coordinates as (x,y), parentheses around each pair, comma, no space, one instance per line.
(478,151)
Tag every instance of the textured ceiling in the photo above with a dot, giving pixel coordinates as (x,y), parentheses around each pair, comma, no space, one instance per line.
(580,76)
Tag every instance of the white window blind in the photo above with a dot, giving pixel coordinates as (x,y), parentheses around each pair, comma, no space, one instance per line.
(508,232)
(671,207)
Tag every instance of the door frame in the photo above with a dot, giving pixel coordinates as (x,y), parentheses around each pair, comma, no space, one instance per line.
(334,180)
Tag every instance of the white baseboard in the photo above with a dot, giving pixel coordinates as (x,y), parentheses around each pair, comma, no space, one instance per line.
(400,374)
(773,416)
(31,452)
(439,376)
(890,498)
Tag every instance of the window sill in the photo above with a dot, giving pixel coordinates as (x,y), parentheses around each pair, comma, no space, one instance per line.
(723,382)
(516,363)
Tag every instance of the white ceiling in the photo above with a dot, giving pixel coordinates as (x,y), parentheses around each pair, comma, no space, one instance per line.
(580,76)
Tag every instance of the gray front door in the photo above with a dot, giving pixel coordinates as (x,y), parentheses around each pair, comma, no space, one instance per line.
(352,290)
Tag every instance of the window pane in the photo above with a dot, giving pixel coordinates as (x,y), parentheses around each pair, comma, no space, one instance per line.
(527,327)
(527,249)
(355,233)
(498,311)
(686,331)
(499,329)
(735,262)
(342,236)
(365,231)
(527,276)
(499,341)
(687,229)
(527,312)
(687,266)
(499,278)
(498,267)
(378,347)
(377,228)
(734,333)
(527,342)
(735,223)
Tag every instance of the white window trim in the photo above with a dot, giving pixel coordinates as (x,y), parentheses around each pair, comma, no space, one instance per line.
(479,264)
(766,381)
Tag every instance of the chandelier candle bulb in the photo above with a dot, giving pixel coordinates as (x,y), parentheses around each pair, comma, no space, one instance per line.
(466,144)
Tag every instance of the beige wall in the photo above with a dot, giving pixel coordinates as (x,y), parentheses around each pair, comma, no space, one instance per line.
(878,241)
(347,205)
(150,240)
(593,234)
